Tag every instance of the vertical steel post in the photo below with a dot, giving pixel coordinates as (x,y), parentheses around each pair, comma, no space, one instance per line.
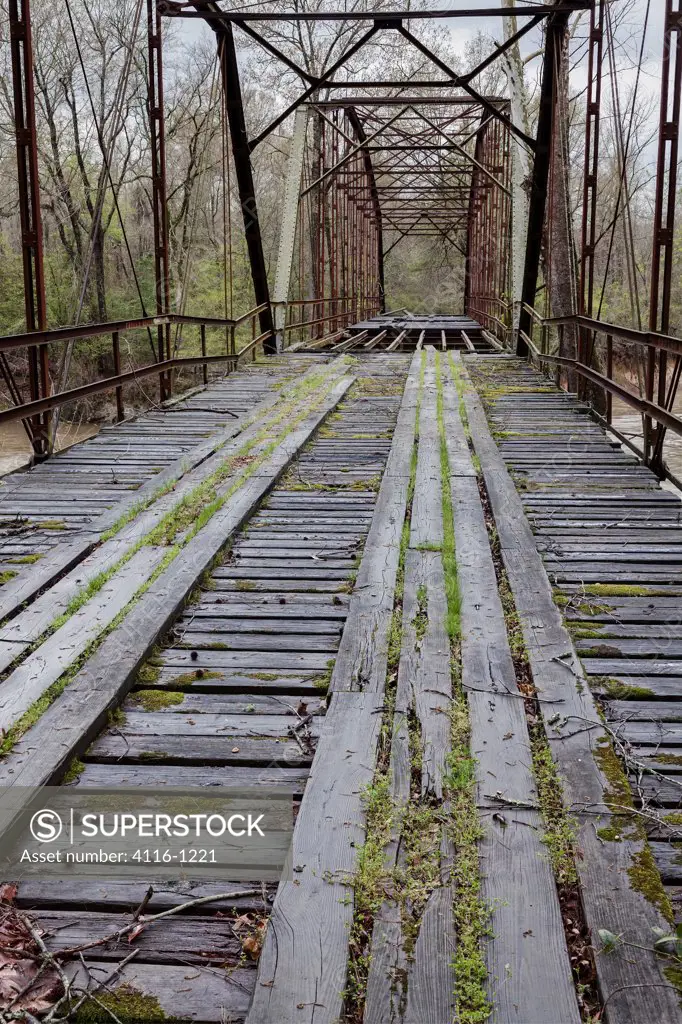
(361,136)
(159,204)
(21,47)
(241,155)
(556,26)
(202,337)
(664,217)
(590,172)
(116,348)
(520,166)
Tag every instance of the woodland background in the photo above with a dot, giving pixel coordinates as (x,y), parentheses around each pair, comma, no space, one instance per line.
(98,252)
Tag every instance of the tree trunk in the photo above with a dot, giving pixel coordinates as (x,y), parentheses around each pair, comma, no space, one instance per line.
(99,298)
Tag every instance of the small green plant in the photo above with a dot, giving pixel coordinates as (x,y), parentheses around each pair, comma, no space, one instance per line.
(157,700)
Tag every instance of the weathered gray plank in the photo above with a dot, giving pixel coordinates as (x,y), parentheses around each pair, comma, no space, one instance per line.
(362,655)
(221,996)
(117,896)
(557,673)
(305,953)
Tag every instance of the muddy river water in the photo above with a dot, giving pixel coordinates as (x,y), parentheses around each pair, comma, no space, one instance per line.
(15,447)
(630,424)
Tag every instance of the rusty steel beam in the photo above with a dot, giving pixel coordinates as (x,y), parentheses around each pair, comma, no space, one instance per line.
(540,174)
(241,155)
(588,237)
(208,10)
(35,308)
(589,208)
(664,225)
(359,130)
(388,101)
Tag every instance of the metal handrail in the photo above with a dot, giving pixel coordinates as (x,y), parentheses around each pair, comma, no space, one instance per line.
(59,335)
(250,315)
(651,339)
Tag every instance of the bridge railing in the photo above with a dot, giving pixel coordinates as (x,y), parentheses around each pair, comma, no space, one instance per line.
(497,323)
(31,411)
(604,334)
(308,319)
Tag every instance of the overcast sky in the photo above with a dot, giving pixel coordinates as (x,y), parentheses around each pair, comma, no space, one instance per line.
(628,40)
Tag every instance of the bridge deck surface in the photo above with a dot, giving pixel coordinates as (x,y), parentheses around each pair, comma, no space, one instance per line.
(373,594)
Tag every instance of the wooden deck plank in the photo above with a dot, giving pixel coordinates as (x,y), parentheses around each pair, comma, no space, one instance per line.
(306,947)
(527,942)
(78,714)
(608,899)
(362,656)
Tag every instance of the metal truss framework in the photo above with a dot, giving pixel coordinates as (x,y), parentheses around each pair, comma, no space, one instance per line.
(488,279)
(378,171)
(375,174)
(375,162)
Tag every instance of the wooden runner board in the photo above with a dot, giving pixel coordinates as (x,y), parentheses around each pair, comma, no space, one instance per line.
(362,656)
(529,972)
(304,960)
(609,901)
(78,714)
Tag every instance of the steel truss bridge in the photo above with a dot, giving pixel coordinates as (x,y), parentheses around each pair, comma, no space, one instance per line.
(401,566)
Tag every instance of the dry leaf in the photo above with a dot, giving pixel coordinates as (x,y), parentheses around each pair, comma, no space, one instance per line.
(136,932)
(17,970)
(253,943)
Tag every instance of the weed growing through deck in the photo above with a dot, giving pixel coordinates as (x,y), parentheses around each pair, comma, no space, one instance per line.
(619,590)
(164,533)
(369,886)
(470,912)
(616,689)
(73,772)
(472,915)
(157,700)
(372,875)
(124,1004)
(421,618)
